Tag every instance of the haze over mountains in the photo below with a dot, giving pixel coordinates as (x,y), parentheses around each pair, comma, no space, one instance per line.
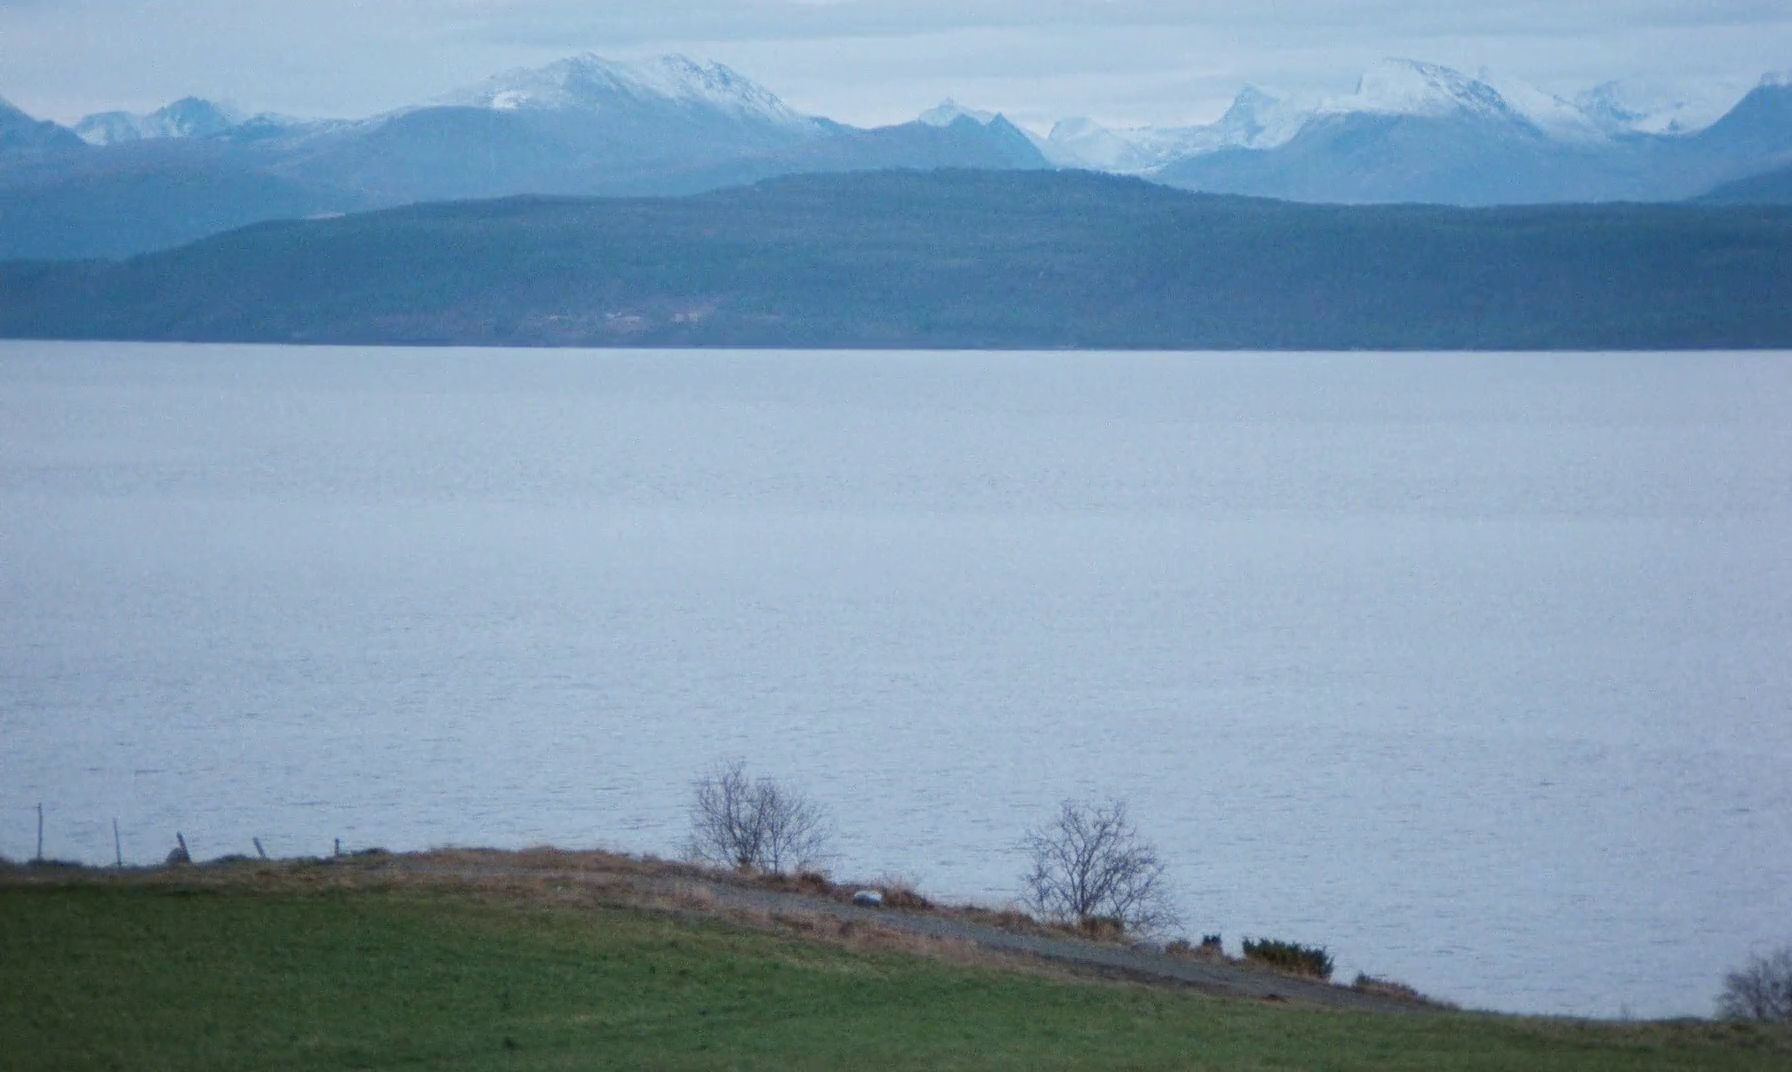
(119,183)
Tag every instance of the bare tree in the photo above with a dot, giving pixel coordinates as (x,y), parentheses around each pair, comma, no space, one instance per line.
(755,824)
(1089,863)
(1761,990)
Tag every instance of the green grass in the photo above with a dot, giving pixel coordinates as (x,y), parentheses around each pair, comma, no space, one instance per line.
(142,978)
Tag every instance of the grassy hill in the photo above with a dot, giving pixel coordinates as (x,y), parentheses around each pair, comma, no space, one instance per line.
(297,967)
(950,259)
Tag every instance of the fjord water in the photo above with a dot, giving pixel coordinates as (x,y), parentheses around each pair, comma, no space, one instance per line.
(1472,668)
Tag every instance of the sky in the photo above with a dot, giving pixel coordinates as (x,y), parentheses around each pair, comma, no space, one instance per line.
(866,61)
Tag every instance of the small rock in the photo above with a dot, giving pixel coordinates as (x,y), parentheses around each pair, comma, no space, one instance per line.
(868,899)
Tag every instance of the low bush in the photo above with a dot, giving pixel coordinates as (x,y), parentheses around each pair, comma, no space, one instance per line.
(1292,957)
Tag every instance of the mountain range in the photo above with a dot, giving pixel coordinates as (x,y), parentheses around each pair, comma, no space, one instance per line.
(118,184)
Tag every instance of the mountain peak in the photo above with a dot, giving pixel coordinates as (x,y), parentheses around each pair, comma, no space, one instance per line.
(189,117)
(1259,119)
(1413,87)
(24,136)
(591,82)
(948,110)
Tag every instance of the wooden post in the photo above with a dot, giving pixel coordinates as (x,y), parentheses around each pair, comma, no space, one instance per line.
(259,851)
(117,845)
(339,846)
(40,833)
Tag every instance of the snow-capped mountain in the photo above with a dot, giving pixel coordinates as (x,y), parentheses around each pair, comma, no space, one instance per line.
(1634,107)
(1554,117)
(592,83)
(1414,88)
(1400,89)
(1409,87)
(947,111)
(1081,142)
(189,117)
(581,125)
(1409,131)
(1416,131)
(1257,119)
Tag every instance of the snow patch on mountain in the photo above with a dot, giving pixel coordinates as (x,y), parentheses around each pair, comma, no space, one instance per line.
(1412,87)
(590,82)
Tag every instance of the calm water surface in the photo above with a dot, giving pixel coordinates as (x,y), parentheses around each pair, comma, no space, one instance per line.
(1472,668)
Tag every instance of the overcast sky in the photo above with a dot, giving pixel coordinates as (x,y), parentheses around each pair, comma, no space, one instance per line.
(862,61)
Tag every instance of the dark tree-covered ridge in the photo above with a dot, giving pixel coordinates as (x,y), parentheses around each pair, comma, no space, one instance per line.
(950,259)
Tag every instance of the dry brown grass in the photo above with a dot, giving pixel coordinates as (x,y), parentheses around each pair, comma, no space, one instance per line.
(1206,952)
(1011,919)
(1388,988)
(900,893)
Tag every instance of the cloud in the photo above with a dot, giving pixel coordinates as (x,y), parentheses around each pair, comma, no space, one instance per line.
(545,20)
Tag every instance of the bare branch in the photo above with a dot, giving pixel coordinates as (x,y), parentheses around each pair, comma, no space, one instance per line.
(1089,863)
(1762,990)
(754,824)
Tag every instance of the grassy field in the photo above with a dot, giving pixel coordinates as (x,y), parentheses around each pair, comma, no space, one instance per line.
(99,975)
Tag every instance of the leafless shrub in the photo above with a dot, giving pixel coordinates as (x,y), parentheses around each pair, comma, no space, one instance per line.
(1090,868)
(754,824)
(1761,990)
